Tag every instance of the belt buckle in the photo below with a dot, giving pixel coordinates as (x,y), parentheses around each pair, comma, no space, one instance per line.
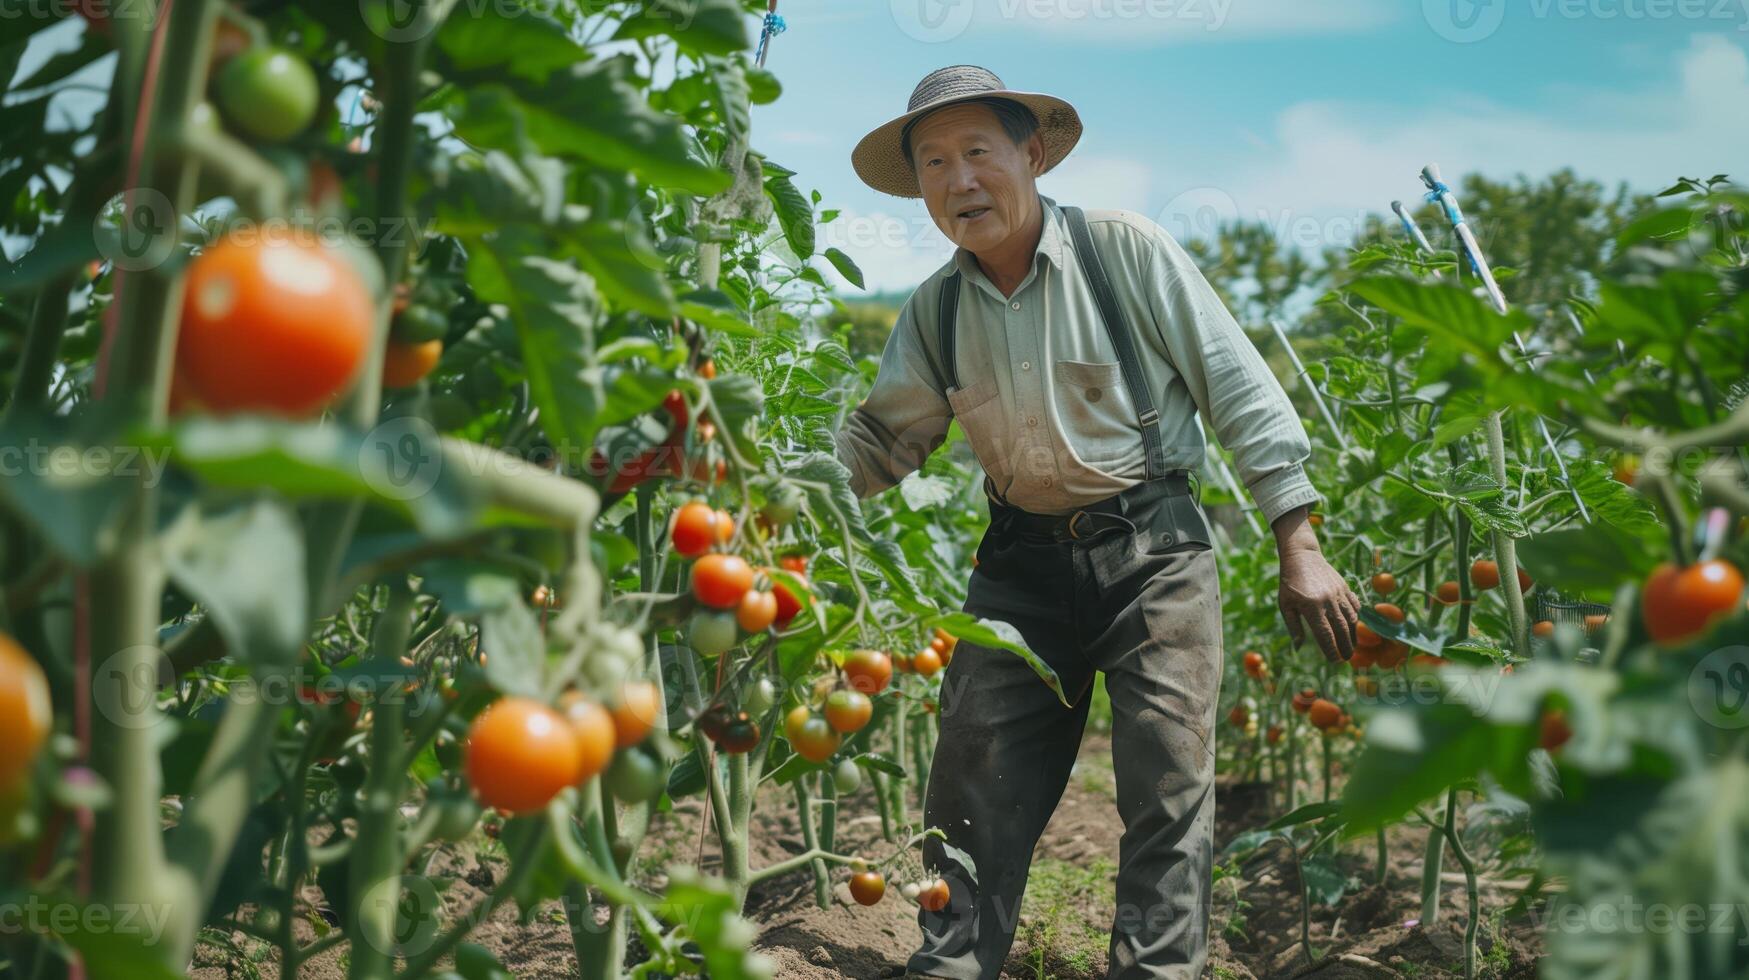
(1073,518)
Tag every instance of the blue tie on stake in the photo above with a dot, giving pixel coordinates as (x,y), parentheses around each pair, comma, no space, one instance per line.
(1441,194)
(773,25)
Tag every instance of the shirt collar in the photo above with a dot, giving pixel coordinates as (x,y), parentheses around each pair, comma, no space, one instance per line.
(1050,241)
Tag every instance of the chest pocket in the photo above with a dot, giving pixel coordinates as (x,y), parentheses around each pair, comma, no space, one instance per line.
(979,412)
(1098,414)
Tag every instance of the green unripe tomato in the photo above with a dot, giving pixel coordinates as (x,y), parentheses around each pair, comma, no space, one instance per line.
(760,696)
(456,816)
(634,777)
(418,323)
(269,93)
(711,633)
(847,777)
(784,505)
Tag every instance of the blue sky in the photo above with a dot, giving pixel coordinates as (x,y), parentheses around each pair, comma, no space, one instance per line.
(1308,114)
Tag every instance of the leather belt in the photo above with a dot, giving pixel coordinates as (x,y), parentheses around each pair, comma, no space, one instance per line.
(1094,519)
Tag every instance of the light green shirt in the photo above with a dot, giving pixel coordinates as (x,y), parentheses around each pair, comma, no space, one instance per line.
(1042,399)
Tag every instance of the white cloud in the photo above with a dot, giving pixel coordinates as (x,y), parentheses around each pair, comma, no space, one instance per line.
(1335,160)
(1154,22)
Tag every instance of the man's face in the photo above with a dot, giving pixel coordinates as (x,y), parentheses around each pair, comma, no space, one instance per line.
(966,163)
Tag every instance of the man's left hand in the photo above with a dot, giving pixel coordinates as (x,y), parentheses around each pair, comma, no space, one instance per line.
(1313,595)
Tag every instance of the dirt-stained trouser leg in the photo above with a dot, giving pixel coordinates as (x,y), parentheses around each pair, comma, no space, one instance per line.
(1004,754)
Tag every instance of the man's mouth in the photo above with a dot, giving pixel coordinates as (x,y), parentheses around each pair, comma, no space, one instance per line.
(974,214)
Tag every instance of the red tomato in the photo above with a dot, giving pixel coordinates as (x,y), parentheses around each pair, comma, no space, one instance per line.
(794,563)
(1680,604)
(867,887)
(926,662)
(787,604)
(1254,664)
(695,529)
(934,898)
(272,324)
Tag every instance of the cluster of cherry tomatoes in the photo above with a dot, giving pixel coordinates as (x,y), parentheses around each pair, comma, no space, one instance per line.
(520,753)
(928,661)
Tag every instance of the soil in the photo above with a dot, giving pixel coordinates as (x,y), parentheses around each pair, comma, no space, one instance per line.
(1255,932)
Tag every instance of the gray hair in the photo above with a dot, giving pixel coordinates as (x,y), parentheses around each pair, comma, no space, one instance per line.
(1016,119)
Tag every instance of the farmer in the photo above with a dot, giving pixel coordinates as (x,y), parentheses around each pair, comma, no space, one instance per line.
(1097,550)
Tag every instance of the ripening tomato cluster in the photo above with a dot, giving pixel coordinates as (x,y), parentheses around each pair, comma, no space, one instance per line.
(930,660)
(1323,714)
(732,598)
(520,753)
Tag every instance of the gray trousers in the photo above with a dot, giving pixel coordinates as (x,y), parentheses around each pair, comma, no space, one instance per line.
(1142,606)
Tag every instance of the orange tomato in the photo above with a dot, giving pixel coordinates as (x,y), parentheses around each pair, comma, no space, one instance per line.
(520,754)
(1303,701)
(1542,627)
(708,369)
(1384,583)
(721,580)
(926,662)
(1485,574)
(1391,654)
(725,526)
(756,611)
(1254,664)
(1273,735)
(1363,657)
(597,736)
(276,325)
(1449,593)
(1389,611)
(810,735)
(1365,636)
(794,563)
(869,671)
(1324,714)
(934,898)
(848,711)
(405,364)
(635,713)
(25,711)
(1238,716)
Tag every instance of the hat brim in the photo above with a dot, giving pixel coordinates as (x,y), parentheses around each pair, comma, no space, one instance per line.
(880,161)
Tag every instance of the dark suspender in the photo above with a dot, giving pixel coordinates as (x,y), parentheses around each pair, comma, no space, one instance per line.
(950,302)
(1115,327)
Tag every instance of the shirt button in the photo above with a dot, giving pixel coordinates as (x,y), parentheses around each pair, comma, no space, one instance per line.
(1032,420)
(1046,481)
(1026,365)
(1015,306)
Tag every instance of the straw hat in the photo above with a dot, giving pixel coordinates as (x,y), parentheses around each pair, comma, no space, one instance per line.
(881,163)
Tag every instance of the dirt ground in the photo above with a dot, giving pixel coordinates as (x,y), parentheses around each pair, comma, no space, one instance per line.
(1065,920)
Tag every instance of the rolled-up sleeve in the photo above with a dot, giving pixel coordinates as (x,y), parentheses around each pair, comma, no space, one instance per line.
(1234,390)
(903,419)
